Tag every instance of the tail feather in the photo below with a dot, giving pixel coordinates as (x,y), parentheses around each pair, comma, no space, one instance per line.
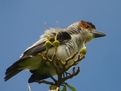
(12,70)
(11,74)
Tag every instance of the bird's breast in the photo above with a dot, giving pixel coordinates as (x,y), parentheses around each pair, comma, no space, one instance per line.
(66,50)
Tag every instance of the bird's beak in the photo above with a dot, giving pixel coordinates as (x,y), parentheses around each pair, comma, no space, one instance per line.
(98,34)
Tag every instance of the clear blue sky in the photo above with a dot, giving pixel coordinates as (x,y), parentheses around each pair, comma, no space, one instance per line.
(23,21)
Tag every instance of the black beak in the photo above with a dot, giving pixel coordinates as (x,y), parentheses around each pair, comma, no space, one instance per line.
(98,34)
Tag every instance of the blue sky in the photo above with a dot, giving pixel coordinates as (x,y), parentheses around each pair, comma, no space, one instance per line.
(23,21)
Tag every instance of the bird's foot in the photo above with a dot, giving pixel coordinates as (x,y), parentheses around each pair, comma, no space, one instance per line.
(68,75)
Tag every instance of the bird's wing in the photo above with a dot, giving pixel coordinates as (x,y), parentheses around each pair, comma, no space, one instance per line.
(26,60)
(40,46)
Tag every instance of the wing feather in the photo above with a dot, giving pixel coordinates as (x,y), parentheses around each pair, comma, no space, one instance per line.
(30,54)
(40,46)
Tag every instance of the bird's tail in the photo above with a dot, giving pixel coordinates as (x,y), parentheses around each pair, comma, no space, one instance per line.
(14,69)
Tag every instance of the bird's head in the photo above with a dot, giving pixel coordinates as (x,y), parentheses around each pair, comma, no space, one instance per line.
(89,30)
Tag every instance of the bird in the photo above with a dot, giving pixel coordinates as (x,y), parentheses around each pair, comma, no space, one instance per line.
(58,44)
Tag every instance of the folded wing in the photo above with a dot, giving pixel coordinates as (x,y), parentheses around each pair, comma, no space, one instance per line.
(30,60)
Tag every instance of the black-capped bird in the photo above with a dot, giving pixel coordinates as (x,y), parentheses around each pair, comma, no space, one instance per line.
(53,48)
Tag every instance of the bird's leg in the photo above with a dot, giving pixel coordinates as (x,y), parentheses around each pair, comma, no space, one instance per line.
(70,75)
